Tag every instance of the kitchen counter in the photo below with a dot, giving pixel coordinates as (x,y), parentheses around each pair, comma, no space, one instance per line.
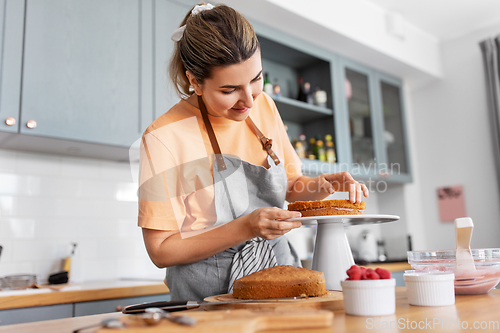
(390,266)
(469,310)
(80,292)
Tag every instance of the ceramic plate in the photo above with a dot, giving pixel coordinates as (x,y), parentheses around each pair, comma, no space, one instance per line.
(347,219)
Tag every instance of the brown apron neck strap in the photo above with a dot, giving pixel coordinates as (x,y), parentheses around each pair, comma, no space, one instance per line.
(211,135)
(267,143)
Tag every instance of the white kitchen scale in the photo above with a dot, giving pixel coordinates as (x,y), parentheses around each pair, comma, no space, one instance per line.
(332,254)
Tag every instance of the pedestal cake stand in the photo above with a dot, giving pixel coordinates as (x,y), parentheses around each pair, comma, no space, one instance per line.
(332,254)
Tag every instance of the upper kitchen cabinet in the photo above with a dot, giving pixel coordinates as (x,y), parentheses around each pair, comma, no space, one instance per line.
(377,137)
(87,70)
(395,143)
(358,96)
(168,16)
(11,45)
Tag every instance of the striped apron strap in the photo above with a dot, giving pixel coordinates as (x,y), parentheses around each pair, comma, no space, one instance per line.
(257,254)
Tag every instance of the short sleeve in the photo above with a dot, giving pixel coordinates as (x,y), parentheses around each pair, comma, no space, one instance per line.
(157,170)
(175,179)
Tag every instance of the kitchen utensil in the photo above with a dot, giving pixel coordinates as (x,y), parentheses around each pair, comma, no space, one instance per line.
(186,305)
(367,246)
(332,253)
(463,230)
(108,323)
(481,280)
(431,288)
(152,316)
(369,297)
(234,321)
(58,278)
(332,301)
(21,281)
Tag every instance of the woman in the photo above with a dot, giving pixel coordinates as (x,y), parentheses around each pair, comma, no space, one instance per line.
(212,184)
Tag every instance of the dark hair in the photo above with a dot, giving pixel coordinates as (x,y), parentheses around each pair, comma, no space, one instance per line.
(216,37)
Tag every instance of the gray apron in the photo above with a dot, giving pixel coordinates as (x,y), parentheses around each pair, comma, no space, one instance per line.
(240,188)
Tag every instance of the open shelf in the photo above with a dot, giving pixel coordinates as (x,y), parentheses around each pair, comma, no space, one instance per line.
(301,112)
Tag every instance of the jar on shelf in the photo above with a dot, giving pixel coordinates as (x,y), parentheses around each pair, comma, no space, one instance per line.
(320,97)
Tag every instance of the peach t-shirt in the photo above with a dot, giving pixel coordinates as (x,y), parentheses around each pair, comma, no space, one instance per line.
(176,189)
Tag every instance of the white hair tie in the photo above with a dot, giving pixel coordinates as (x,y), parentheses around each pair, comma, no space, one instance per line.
(177,34)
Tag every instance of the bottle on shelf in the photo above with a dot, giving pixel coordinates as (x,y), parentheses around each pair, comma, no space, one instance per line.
(310,150)
(301,96)
(302,138)
(276,89)
(308,95)
(320,150)
(268,86)
(299,148)
(331,156)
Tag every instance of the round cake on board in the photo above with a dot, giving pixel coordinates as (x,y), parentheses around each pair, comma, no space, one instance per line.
(327,207)
(279,282)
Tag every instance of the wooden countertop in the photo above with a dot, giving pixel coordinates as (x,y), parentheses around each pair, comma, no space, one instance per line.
(469,310)
(390,266)
(80,292)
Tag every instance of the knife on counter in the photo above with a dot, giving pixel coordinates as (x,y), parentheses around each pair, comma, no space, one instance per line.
(171,306)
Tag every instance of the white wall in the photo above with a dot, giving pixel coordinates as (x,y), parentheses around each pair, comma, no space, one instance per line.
(451,128)
(49,201)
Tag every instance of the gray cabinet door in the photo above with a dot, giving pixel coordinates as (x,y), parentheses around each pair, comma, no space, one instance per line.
(83,62)
(11,50)
(112,305)
(168,16)
(390,94)
(37,313)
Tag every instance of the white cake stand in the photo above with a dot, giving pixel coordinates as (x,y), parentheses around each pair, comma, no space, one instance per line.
(332,254)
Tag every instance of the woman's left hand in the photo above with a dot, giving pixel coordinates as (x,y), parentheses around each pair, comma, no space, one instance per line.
(343,182)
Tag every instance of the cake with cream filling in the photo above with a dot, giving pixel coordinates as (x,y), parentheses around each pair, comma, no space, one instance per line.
(327,207)
(280,281)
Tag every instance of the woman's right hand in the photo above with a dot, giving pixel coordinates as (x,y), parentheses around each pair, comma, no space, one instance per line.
(267,222)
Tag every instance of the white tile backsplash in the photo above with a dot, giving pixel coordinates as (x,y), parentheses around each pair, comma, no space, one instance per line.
(38,164)
(8,161)
(48,202)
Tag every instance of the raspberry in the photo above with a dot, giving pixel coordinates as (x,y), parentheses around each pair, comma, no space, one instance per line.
(363,273)
(354,273)
(383,273)
(371,274)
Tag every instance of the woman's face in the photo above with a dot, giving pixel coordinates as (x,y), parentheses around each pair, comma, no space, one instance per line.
(231,91)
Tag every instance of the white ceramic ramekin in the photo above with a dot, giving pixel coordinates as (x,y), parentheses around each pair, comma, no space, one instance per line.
(369,297)
(430,288)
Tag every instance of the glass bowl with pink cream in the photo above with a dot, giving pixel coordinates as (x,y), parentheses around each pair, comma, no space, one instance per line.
(479,281)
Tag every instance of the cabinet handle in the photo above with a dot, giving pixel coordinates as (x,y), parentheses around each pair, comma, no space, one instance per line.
(11,121)
(31,124)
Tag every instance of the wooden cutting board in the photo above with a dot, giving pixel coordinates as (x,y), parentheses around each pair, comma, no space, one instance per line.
(333,301)
(232,321)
